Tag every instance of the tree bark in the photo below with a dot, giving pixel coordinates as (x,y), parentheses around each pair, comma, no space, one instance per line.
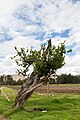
(26,90)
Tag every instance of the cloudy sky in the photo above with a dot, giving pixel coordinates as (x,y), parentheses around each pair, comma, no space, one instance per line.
(26,23)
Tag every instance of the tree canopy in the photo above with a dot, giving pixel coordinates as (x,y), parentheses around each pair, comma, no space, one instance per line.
(44,61)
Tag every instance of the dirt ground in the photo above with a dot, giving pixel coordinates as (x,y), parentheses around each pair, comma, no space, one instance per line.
(59,89)
(2,118)
(55,88)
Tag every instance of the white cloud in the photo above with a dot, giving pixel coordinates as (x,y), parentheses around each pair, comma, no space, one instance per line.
(72,65)
(7,66)
(20,41)
(54,15)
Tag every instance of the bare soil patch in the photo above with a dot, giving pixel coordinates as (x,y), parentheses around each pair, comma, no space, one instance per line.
(2,118)
(59,89)
(55,89)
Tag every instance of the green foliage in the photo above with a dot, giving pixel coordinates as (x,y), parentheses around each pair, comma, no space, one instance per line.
(2,80)
(8,80)
(65,79)
(44,61)
(68,79)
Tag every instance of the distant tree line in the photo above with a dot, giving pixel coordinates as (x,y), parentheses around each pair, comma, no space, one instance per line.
(8,80)
(60,79)
(65,79)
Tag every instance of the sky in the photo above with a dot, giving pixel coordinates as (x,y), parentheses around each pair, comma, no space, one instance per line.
(30,23)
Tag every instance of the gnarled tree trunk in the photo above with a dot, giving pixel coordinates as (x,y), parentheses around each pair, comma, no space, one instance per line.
(26,90)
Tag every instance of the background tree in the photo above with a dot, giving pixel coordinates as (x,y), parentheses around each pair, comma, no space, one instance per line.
(2,79)
(68,79)
(45,62)
(8,79)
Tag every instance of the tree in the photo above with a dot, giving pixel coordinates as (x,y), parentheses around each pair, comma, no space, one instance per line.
(2,79)
(68,79)
(9,80)
(45,62)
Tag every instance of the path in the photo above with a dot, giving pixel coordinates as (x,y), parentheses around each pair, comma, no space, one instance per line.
(1,117)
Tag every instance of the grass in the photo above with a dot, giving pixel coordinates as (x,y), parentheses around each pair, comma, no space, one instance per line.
(65,85)
(57,106)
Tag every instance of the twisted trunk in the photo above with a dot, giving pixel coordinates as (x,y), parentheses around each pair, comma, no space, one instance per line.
(26,90)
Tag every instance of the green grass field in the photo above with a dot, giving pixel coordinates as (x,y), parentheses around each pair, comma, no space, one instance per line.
(57,107)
